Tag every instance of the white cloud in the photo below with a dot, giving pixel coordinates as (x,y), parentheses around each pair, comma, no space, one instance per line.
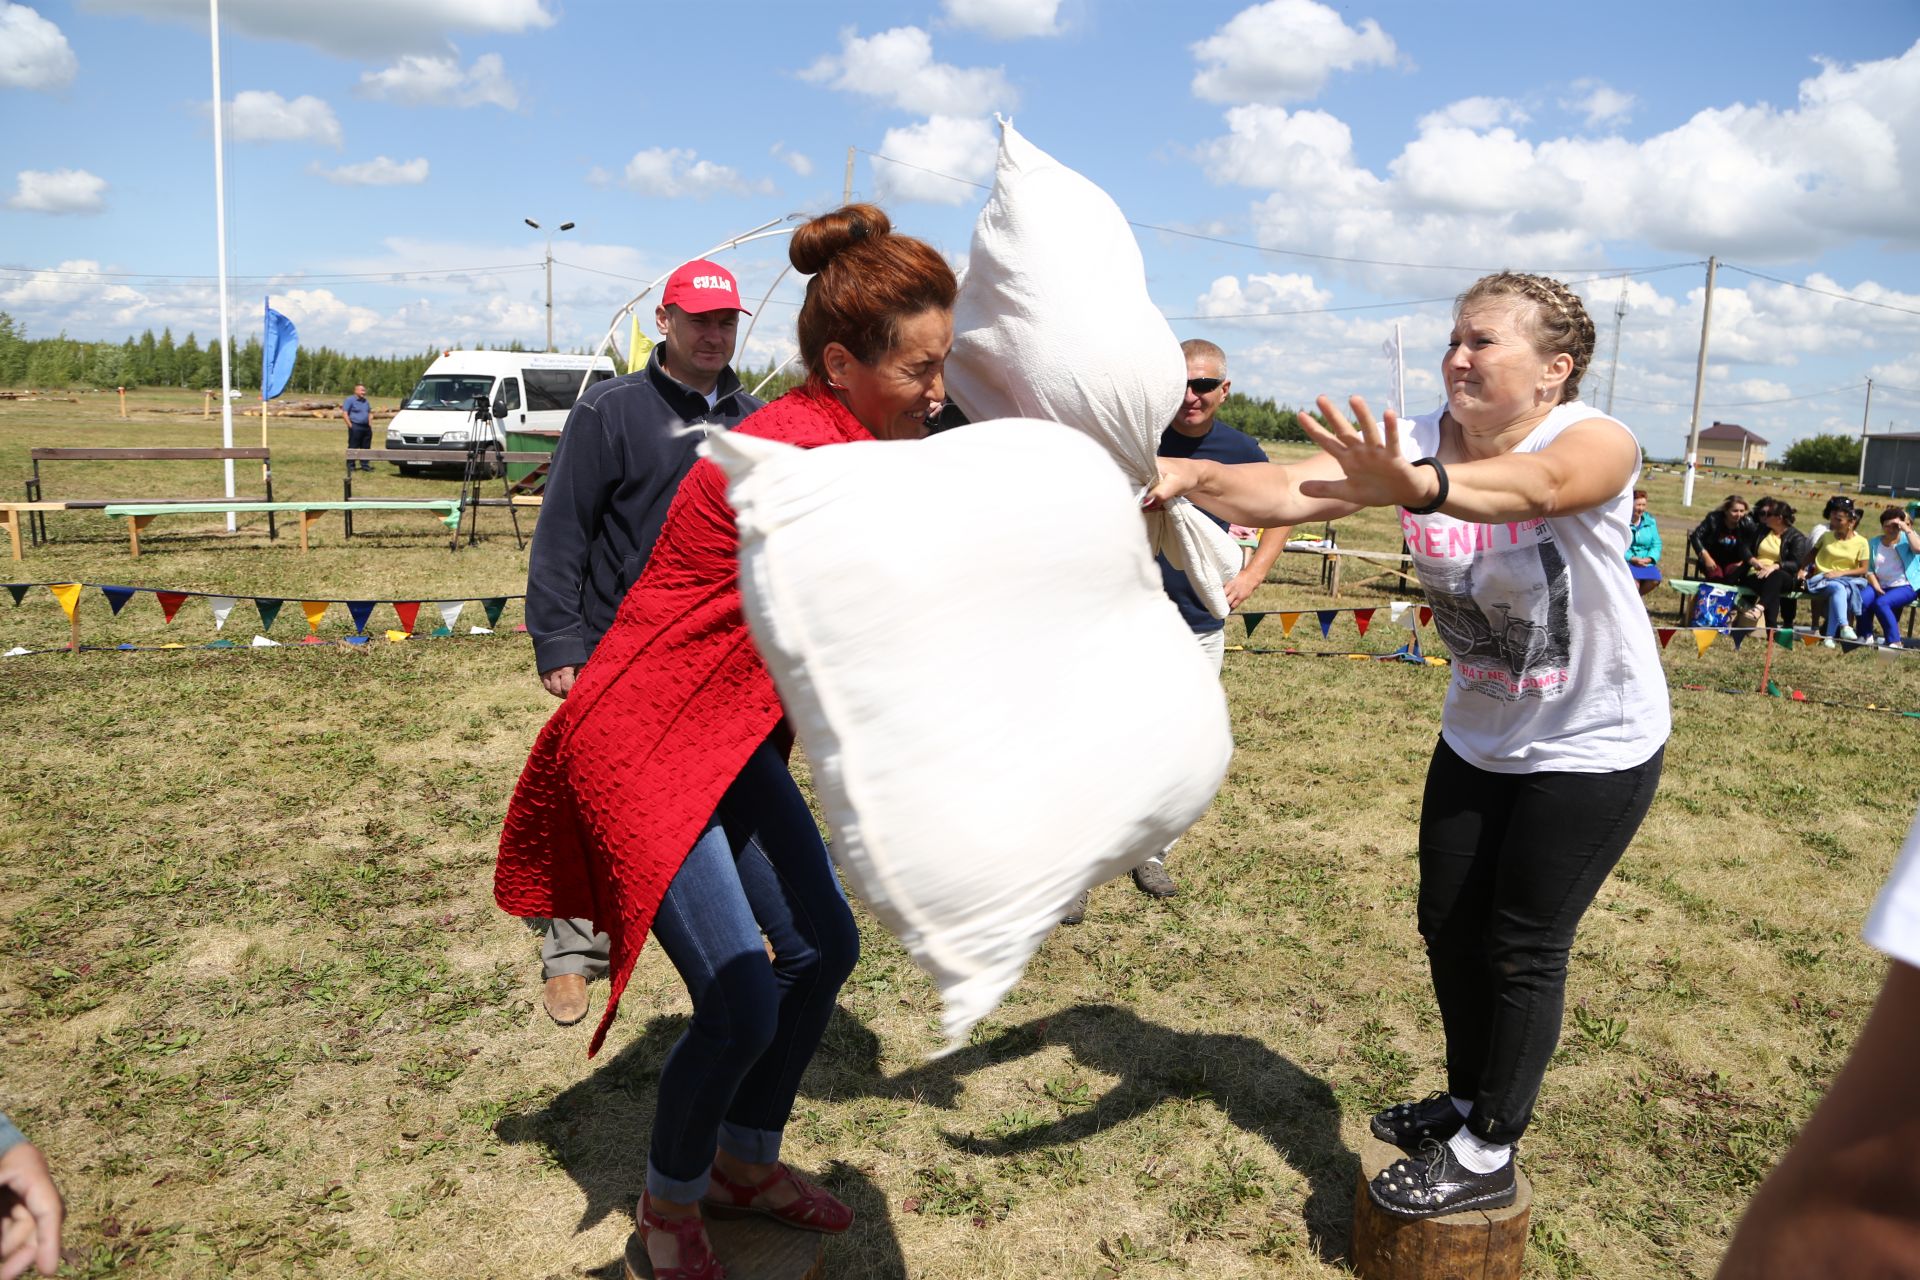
(676,171)
(1283,50)
(897,67)
(964,148)
(377,172)
(58,191)
(260,115)
(1006,19)
(1599,103)
(792,159)
(1228,298)
(418,80)
(352,28)
(34,53)
(1476,113)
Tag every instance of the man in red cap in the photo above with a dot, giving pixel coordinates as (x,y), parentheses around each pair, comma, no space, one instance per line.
(612,478)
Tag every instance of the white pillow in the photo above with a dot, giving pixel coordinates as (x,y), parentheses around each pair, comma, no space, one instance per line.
(1000,709)
(1053,321)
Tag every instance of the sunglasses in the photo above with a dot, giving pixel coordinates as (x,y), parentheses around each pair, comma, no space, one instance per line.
(1204,386)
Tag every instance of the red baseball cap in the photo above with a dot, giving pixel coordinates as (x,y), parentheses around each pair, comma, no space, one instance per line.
(703,286)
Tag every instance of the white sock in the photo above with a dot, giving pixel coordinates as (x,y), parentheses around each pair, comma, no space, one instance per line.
(1464,1107)
(1476,1154)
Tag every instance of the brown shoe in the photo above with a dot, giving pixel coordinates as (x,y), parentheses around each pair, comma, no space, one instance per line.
(1153,880)
(1078,911)
(565,998)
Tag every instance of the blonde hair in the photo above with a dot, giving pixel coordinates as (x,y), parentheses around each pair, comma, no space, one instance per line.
(1556,319)
(1205,350)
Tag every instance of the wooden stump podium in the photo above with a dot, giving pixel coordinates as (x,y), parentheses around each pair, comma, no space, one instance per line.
(752,1248)
(1480,1244)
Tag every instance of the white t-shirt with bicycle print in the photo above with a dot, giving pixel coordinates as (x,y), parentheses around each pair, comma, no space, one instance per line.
(1555,666)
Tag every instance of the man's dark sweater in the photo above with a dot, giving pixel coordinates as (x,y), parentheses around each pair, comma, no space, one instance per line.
(613,476)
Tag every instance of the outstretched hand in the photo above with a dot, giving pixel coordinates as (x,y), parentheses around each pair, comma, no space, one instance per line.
(1374,472)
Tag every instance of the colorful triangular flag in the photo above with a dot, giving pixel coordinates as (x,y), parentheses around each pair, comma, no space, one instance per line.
(170,602)
(1807,642)
(1363,618)
(441,632)
(1736,635)
(269,611)
(68,594)
(1287,623)
(117,597)
(1251,620)
(1326,617)
(450,612)
(18,590)
(1426,614)
(408,612)
(315,610)
(16,652)
(1665,634)
(1703,638)
(493,606)
(261,642)
(360,611)
(222,606)
(397,636)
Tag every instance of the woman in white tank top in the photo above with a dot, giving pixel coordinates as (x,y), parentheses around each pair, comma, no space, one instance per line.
(1515,500)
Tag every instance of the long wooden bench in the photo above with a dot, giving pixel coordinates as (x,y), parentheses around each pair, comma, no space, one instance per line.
(139,515)
(1688,588)
(10,518)
(36,489)
(446,458)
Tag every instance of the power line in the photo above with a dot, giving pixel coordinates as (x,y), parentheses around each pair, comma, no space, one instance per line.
(1825,293)
(293,277)
(574,266)
(1747,404)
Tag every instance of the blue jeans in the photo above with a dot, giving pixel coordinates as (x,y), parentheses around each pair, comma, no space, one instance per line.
(730,1080)
(1887,607)
(1839,596)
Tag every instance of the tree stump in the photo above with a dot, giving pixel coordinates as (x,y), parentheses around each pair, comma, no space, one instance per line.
(1480,1244)
(753,1248)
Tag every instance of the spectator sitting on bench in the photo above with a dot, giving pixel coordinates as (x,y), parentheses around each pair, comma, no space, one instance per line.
(1643,552)
(1723,542)
(1895,571)
(1774,568)
(1839,571)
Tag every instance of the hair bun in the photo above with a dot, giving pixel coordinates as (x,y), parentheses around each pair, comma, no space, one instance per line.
(821,240)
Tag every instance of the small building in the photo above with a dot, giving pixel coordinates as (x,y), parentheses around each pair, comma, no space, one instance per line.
(1891,464)
(1727,444)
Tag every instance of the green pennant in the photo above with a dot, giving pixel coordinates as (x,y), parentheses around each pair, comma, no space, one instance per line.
(269,610)
(1773,690)
(1252,620)
(493,605)
(441,631)
(18,590)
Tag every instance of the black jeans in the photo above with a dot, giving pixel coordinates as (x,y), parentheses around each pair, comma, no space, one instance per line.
(1509,862)
(1770,588)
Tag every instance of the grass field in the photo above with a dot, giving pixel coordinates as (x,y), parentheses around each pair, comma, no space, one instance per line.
(259,1009)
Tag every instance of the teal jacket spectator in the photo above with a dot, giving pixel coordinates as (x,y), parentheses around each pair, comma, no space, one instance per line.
(1646,539)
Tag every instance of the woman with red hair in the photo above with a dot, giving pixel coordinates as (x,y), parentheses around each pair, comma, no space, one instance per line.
(657,800)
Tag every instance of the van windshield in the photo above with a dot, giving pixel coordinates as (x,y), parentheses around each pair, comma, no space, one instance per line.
(450,391)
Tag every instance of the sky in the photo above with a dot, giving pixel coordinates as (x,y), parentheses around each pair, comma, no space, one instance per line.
(1303,176)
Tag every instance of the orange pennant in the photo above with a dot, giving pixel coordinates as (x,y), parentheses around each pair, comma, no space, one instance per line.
(315,610)
(1287,621)
(68,594)
(1807,642)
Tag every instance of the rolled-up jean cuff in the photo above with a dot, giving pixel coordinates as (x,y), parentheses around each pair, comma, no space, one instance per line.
(755,1146)
(661,1187)
(10,1137)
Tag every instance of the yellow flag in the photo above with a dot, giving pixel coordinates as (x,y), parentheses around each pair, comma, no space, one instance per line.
(638,344)
(68,594)
(1703,637)
(397,636)
(1287,621)
(315,610)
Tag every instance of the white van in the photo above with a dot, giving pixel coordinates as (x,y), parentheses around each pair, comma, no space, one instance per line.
(487,394)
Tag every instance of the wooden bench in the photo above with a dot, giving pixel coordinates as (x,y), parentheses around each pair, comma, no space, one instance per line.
(10,517)
(512,490)
(139,515)
(36,490)
(1688,588)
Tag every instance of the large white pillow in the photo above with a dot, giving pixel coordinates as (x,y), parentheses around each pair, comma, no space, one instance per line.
(999,707)
(1054,321)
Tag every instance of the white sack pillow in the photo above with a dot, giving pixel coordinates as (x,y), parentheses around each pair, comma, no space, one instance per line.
(999,707)
(1053,321)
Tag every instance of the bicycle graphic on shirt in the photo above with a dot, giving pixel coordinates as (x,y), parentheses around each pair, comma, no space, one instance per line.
(1516,643)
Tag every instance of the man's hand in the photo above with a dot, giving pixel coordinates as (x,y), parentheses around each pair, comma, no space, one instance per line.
(1239,587)
(556,682)
(31,1212)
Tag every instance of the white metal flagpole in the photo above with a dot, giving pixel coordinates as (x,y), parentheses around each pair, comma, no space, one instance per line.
(220,232)
(1399,369)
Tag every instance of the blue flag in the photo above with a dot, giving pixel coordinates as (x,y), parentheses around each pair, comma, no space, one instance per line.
(277,350)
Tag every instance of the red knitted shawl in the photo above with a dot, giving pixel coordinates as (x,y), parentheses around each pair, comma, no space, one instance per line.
(626,774)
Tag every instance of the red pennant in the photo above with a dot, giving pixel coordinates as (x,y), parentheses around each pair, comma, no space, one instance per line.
(1362,618)
(170,602)
(1665,634)
(1426,614)
(408,611)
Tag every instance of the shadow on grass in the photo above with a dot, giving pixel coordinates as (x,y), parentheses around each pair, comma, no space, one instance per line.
(598,1131)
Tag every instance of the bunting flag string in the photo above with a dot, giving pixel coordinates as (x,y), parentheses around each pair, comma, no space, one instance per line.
(170,602)
(1326,617)
(222,606)
(269,612)
(408,611)
(117,597)
(1362,618)
(1288,621)
(360,611)
(315,611)
(1252,620)
(68,594)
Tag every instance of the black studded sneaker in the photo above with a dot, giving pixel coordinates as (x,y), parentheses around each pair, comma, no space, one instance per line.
(1435,1183)
(1409,1124)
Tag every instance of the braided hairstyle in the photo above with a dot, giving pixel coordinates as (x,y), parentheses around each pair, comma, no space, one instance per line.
(1557,321)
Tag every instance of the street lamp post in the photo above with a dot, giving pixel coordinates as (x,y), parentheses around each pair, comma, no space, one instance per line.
(565,226)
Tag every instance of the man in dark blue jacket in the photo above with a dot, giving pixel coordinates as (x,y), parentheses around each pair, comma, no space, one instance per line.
(611,481)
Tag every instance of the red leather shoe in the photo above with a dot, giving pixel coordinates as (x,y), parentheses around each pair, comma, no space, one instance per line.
(690,1234)
(812,1210)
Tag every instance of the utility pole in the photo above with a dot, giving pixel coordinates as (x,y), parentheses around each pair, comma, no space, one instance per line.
(1619,320)
(1860,481)
(1699,385)
(565,226)
(220,235)
(846,187)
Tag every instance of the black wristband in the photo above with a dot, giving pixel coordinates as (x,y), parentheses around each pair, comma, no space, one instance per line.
(1440,498)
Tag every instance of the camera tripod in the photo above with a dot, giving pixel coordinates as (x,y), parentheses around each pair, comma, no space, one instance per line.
(486,458)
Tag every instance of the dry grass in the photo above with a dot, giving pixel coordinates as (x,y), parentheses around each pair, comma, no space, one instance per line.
(260,1011)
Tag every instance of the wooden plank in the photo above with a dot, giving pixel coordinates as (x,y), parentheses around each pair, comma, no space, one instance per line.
(10,517)
(149,455)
